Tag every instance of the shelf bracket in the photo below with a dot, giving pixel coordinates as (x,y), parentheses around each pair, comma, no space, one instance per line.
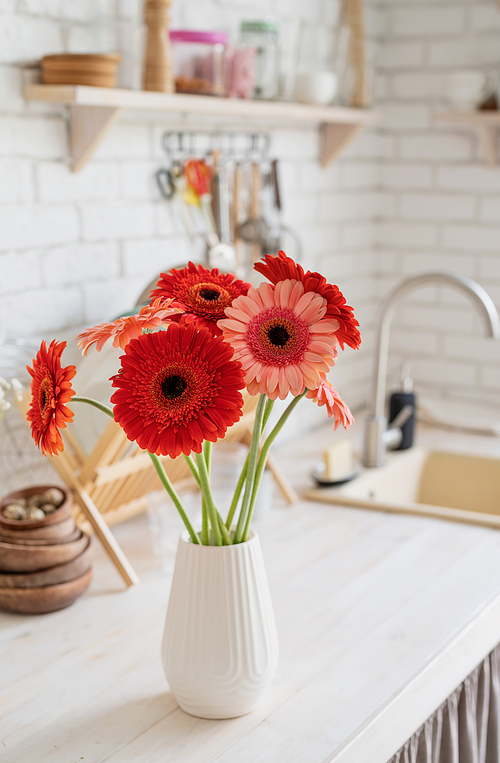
(334,138)
(88,127)
(488,137)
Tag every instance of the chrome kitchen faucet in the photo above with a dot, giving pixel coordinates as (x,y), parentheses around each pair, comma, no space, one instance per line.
(378,437)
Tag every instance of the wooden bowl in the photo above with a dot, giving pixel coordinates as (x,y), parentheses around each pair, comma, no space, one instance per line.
(17,558)
(79,78)
(38,601)
(63,512)
(62,573)
(99,62)
(74,535)
(80,69)
(49,532)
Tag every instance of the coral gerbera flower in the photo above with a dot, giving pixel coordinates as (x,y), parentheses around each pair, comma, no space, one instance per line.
(279,268)
(325,394)
(203,294)
(279,335)
(50,390)
(177,388)
(122,330)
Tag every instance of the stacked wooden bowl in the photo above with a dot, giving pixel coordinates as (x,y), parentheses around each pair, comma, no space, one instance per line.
(96,70)
(44,557)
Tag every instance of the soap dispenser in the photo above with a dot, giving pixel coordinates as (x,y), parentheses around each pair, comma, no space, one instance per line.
(397,402)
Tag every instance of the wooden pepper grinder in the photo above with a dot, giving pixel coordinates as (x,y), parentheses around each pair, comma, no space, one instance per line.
(353,17)
(158,62)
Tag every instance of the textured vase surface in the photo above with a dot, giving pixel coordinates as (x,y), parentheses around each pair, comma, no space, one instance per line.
(220,646)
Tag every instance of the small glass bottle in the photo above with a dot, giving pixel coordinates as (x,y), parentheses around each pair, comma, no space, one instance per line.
(263,36)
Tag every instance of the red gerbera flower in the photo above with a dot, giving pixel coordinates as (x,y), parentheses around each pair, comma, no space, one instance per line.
(50,390)
(202,294)
(177,388)
(280,268)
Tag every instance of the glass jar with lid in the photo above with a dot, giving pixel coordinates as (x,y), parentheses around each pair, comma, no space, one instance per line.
(199,61)
(263,36)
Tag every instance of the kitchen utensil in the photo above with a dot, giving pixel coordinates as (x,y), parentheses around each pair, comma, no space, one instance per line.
(255,207)
(198,176)
(223,254)
(237,183)
(165,183)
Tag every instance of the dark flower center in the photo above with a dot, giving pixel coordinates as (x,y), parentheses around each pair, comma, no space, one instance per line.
(278,335)
(173,386)
(210,295)
(44,397)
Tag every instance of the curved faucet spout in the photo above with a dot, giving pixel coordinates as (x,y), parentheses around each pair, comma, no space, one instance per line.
(374,448)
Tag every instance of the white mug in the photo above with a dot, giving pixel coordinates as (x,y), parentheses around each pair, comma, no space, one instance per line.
(468,89)
(318,88)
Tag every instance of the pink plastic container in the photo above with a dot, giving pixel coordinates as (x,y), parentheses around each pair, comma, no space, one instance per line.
(199,61)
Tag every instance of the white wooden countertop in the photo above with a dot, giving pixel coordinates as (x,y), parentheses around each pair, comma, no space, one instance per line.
(380,617)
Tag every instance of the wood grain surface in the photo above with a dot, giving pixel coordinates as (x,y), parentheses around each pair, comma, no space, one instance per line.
(380,617)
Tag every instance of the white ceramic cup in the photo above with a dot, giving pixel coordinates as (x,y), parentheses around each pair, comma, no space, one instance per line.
(467,89)
(318,88)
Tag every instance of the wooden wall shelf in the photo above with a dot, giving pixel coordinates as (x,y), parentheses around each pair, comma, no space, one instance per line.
(94,110)
(486,124)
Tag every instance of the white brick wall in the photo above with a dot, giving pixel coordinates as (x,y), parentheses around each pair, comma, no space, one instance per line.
(80,248)
(447,202)
(407,197)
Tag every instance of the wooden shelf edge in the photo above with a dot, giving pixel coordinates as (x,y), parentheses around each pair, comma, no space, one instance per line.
(470,117)
(94,110)
(194,104)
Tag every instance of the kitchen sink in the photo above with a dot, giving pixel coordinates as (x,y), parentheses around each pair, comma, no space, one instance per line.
(433,483)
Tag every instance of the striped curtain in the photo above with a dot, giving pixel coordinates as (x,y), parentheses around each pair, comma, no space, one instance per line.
(465,729)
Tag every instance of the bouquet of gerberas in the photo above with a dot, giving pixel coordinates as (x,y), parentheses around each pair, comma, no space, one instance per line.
(204,337)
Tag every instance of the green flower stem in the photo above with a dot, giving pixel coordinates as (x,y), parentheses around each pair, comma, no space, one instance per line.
(100,406)
(173,495)
(157,465)
(207,452)
(263,458)
(267,413)
(207,494)
(237,493)
(241,481)
(252,466)
(225,534)
(205,524)
(193,469)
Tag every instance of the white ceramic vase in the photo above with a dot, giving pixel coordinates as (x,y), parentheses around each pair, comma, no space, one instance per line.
(220,646)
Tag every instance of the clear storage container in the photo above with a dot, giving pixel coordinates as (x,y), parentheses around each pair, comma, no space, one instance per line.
(199,61)
(263,36)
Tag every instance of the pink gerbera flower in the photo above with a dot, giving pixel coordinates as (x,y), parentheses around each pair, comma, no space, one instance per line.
(278,268)
(281,339)
(325,394)
(122,330)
